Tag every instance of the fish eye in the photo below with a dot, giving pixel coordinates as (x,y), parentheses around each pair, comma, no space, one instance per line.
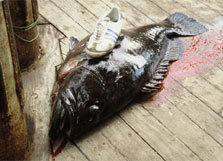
(94,110)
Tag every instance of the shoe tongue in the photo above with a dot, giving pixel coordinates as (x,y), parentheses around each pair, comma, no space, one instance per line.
(104,21)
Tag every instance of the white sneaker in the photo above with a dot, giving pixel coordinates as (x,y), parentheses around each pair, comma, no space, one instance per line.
(105,35)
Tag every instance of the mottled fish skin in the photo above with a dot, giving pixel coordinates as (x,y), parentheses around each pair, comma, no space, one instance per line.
(89,90)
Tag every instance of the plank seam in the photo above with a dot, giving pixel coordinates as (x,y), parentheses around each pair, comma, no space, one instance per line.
(60,47)
(69,16)
(82,152)
(211,8)
(171,132)
(197,97)
(143,139)
(141,12)
(54,26)
(86,9)
(114,146)
(122,15)
(194,122)
(159,7)
(211,83)
(192,12)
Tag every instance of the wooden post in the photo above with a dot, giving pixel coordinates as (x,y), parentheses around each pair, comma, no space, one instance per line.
(13,131)
(24,14)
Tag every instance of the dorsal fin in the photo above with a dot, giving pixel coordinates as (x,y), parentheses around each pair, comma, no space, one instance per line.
(72,43)
(174,52)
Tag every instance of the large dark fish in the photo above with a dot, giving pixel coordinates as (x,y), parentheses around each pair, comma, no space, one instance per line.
(87,90)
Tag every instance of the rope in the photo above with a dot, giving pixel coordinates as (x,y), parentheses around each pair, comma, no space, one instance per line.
(29,41)
(27,28)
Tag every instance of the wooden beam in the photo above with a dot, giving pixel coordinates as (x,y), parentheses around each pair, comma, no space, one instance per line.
(13,131)
(24,13)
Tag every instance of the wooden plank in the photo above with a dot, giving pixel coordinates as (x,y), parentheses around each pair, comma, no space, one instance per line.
(70,153)
(213,4)
(209,47)
(98,148)
(156,135)
(205,92)
(171,7)
(200,9)
(131,14)
(42,20)
(149,9)
(78,13)
(99,9)
(127,141)
(60,20)
(38,83)
(185,129)
(13,129)
(196,110)
(214,77)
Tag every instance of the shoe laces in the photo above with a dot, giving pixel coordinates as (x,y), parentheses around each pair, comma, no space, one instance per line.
(100,29)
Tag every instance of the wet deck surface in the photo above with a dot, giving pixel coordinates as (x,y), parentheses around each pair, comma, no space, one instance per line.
(184,121)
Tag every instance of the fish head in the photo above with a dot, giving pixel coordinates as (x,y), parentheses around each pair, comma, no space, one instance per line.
(75,108)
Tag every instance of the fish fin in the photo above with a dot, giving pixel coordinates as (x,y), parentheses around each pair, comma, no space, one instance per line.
(175,50)
(156,81)
(73,42)
(186,26)
(151,86)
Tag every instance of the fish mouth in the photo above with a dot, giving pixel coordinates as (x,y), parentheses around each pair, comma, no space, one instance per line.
(63,120)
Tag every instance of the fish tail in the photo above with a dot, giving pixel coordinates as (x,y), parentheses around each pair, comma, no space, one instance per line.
(185,26)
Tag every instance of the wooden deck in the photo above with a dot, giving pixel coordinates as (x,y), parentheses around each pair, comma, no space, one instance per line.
(182,122)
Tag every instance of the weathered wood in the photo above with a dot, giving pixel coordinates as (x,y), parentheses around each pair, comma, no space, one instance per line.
(214,4)
(92,6)
(199,112)
(149,9)
(13,131)
(98,148)
(25,13)
(133,16)
(127,141)
(42,21)
(85,19)
(170,6)
(200,10)
(156,135)
(61,20)
(189,133)
(206,92)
